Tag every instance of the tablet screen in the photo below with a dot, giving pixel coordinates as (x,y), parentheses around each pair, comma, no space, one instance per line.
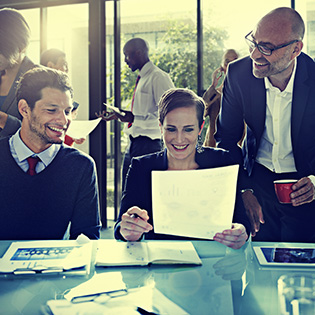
(289,255)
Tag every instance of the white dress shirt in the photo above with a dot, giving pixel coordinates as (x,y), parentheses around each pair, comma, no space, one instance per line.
(275,150)
(21,152)
(152,84)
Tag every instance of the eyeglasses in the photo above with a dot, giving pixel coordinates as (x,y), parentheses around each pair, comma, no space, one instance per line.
(264,49)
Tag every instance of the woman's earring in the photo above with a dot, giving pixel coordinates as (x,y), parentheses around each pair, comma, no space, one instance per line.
(199,146)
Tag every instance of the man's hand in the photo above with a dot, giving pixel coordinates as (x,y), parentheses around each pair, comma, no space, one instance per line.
(3,119)
(134,224)
(235,237)
(303,192)
(253,211)
(125,116)
(79,141)
(232,266)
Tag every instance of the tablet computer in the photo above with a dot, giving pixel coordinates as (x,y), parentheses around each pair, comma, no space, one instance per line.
(285,256)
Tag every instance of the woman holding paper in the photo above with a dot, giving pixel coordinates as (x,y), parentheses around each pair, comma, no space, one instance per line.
(181,119)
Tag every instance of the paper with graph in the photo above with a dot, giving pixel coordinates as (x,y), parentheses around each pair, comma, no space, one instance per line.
(194,203)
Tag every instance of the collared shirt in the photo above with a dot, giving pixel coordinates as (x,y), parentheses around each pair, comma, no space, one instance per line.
(275,150)
(21,152)
(152,84)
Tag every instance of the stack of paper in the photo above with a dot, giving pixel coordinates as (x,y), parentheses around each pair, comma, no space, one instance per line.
(46,257)
(101,286)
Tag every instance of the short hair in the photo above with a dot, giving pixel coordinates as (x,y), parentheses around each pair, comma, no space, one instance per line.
(292,16)
(14,33)
(137,43)
(52,55)
(32,83)
(178,98)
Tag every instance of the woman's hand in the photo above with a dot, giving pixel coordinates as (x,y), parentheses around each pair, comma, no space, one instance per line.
(235,237)
(216,76)
(134,223)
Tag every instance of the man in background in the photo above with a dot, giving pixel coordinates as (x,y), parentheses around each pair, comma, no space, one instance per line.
(44,184)
(272,90)
(143,126)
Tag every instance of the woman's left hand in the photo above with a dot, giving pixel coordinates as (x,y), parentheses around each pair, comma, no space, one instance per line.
(235,237)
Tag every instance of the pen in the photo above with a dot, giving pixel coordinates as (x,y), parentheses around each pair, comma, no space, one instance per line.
(144,312)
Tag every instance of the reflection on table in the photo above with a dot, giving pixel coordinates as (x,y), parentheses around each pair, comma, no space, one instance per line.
(228,282)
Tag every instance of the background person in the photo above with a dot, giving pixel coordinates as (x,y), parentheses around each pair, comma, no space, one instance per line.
(272,91)
(212,96)
(56,59)
(143,126)
(181,117)
(14,39)
(38,201)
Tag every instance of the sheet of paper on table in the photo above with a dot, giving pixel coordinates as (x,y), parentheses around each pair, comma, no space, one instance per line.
(31,257)
(82,128)
(194,203)
(99,283)
(148,298)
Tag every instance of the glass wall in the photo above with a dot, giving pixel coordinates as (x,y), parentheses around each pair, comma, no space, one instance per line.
(307,9)
(67,30)
(32,16)
(169,27)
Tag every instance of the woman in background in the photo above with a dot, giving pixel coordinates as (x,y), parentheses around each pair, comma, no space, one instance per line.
(181,119)
(212,96)
(14,39)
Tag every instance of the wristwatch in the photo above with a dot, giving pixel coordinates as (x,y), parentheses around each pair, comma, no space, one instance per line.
(247,189)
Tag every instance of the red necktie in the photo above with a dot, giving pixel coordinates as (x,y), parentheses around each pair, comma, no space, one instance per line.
(32,162)
(133,98)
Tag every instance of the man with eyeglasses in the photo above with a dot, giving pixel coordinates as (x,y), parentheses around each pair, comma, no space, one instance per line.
(273,91)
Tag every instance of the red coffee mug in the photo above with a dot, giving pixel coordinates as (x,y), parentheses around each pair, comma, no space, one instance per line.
(283,189)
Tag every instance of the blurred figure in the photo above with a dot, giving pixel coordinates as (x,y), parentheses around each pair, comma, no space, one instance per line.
(143,126)
(212,96)
(56,59)
(14,39)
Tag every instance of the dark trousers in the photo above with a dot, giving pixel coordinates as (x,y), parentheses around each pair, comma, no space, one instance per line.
(283,222)
(138,146)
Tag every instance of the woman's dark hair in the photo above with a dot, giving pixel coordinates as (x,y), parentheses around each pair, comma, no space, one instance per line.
(177,98)
(35,80)
(14,33)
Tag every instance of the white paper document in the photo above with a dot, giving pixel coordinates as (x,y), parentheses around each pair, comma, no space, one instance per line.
(98,284)
(194,203)
(45,257)
(148,298)
(82,128)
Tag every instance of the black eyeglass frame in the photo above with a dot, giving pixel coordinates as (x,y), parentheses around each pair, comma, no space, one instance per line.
(249,42)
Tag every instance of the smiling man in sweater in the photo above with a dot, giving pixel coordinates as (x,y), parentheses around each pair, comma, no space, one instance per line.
(39,201)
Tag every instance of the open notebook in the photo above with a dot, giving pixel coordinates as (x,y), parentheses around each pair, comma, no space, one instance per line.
(117,253)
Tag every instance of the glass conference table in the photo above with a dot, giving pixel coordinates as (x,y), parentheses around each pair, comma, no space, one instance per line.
(228,282)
